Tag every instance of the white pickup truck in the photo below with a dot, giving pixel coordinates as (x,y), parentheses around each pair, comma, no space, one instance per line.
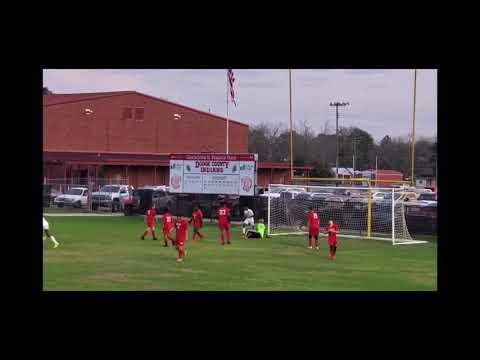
(75,197)
(111,196)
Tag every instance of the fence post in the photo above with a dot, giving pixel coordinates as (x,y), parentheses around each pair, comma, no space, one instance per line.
(89,199)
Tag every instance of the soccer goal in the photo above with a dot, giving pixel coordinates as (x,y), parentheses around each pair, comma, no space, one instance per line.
(360,212)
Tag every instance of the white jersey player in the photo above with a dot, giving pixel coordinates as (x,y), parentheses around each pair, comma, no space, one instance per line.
(248,220)
(46,229)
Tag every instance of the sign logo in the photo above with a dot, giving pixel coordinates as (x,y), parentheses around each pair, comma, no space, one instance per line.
(175,181)
(246,184)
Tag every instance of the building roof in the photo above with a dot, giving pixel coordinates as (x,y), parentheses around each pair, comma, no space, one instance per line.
(281,165)
(58,99)
(133,158)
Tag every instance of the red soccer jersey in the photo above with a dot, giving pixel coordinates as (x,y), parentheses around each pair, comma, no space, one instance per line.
(151,213)
(332,236)
(223,215)
(167,221)
(181,227)
(313,221)
(197,218)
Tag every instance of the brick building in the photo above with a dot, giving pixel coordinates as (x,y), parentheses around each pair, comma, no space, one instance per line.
(129,135)
(383,176)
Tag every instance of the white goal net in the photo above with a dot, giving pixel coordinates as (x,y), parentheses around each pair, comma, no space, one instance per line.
(380,217)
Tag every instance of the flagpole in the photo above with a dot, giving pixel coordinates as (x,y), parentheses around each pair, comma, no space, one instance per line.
(227,111)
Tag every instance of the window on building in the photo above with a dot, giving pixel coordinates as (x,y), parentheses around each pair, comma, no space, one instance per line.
(127,113)
(139,113)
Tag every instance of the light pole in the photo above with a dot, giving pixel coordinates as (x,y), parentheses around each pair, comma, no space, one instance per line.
(337,104)
(413,126)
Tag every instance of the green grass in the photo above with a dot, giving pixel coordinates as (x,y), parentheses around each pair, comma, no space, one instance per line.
(105,253)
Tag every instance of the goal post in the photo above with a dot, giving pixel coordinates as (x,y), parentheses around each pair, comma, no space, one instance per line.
(355,209)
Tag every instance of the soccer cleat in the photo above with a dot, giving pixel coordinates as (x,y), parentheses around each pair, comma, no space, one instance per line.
(228,242)
(317,248)
(310,247)
(154,238)
(56,245)
(165,245)
(179,259)
(223,243)
(141,237)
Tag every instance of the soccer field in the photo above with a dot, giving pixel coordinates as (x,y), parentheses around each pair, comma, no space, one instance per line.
(105,253)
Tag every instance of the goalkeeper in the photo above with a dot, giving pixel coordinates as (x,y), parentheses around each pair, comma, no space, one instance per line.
(248,221)
(259,232)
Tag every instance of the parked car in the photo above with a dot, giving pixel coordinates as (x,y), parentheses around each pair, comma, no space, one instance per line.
(111,196)
(75,197)
(273,193)
(421,218)
(143,198)
(401,196)
(427,198)
(379,195)
(49,195)
(424,199)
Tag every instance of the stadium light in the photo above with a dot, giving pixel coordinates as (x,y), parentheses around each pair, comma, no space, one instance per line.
(337,104)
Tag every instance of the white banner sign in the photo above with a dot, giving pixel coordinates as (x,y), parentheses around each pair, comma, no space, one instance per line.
(232,174)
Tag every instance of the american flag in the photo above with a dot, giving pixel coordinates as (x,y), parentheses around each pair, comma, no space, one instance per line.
(231,80)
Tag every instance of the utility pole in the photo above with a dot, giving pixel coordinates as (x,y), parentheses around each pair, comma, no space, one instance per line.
(337,104)
(354,142)
(413,126)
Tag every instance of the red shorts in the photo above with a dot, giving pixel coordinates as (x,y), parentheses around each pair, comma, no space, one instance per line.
(151,225)
(313,232)
(167,230)
(224,226)
(332,241)
(197,226)
(180,243)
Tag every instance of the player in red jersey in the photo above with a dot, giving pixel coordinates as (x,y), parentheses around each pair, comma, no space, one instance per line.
(150,220)
(332,230)
(223,215)
(181,226)
(197,220)
(313,227)
(167,228)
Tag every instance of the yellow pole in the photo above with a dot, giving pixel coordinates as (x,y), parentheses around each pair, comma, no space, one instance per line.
(413,131)
(291,126)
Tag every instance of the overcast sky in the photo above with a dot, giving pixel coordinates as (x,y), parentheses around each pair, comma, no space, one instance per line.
(381,100)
